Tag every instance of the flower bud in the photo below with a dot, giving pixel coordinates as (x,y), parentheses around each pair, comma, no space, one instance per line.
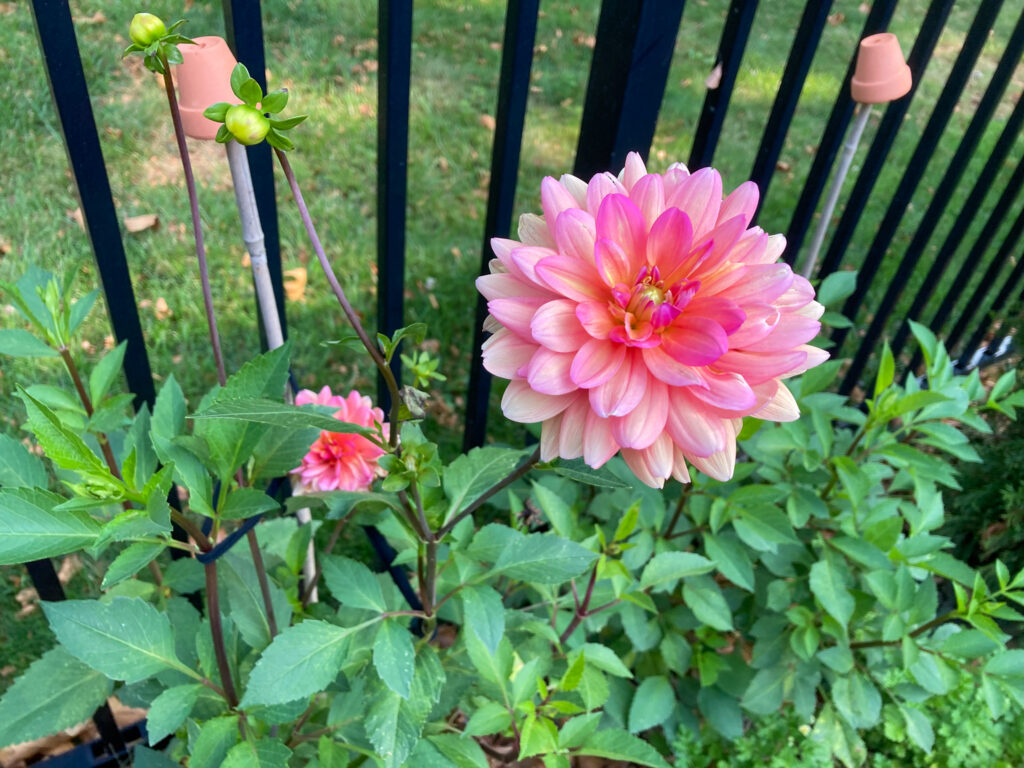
(146,29)
(247,124)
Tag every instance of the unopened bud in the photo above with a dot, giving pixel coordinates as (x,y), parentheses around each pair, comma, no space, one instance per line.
(146,29)
(247,124)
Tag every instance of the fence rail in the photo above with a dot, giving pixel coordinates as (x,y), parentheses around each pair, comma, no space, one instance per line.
(633,51)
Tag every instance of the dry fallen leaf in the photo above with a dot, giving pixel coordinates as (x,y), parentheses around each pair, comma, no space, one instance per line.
(295,284)
(783,166)
(161,310)
(714,79)
(835,19)
(69,566)
(142,222)
(28,599)
(488,122)
(76,215)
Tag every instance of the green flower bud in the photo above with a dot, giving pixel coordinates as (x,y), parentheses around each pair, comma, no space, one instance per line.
(247,124)
(146,29)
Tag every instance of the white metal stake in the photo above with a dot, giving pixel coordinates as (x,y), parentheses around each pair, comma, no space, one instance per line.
(849,150)
(252,234)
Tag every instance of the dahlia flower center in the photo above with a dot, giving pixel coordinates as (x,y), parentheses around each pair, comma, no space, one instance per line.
(646,307)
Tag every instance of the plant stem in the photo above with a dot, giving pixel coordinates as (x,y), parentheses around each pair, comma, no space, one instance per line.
(192,530)
(919,631)
(518,472)
(197,227)
(675,515)
(217,633)
(261,576)
(581,609)
(339,293)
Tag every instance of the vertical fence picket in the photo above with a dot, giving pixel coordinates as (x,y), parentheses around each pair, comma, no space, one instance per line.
(394,80)
(513,90)
(916,168)
(927,37)
(731,48)
(243,25)
(831,139)
(632,55)
(805,45)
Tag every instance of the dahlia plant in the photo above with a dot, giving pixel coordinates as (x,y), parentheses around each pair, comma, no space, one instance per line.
(538,604)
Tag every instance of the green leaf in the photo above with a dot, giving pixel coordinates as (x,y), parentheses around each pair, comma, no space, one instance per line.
(836,288)
(18,467)
(281,415)
(556,510)
(722,711)
(217,112)
(619,745)
(286,125)
(764,528)
(126,639)
(353,583)
(857,700)
(17,343)
(63,447)
(216,738)
(393,724)
(653,703)
(704,597)
(468,477)
(143,757)
(30,529)
(543,559)
(577,471)
(80,310)
(602,657)
(244,503)
(245,600)
(239,75)
(464,753)
(263,753)
(969,644)
(169,710)
(731,559)
(765,692)
(130,561)
(484,614)
(490,718)
(105,372)
(669,567)
(56,692)
(394,658)
(829,586)
(919,728)
(275,101)
(278,140)
(886,370)
(539,736)
(301,661)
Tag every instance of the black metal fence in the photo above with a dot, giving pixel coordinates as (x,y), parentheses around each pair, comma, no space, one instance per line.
(633,51)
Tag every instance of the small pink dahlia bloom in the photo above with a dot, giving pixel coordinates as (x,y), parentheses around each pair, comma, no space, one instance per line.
(641,314)
(338,461)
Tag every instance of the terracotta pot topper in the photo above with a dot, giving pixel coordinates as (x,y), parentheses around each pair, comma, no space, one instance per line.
(204,78)
(882,74)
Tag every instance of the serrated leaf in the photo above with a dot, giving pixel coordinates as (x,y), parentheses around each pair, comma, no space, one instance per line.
(619,745)
(15,342)
(484,615)
(244,503)
(672,566)
(577,471)
(216,738)
(263,753)
(919,727)
(464,753)
(245,599)
(765,692)
(394,658)
(105,372)
(828,586)
(132,559)
(653,703)
(264,411)
(704,597)
(126,639)
(18,467)
(472,474)
(301,661)
(543,559)
(490,718)
(602,657)
(353,584)
(62,446)
(30,529)
(169,710)
(857,700)
(731,559)
(56,692)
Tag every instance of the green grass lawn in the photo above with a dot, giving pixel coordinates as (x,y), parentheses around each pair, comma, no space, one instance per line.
(325,53)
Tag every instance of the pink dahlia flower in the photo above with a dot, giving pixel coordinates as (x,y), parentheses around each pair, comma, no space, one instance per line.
(641,314)
(338,461)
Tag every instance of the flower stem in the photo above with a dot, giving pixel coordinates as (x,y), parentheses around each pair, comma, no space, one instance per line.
(261,576)
(339,293)
(197,227)
(217,633)
(581,608)
(518,472)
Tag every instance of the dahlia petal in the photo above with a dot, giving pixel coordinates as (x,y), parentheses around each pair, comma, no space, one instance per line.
(761,321)
(693,427)
(669,370)
(548,372)
(550,431)
(598,443)
(633,171)
(594,317)
(812,309)
(505,285)
(700,196)
(505,353)
(780,405)
(792,330)
(573,426)
(575,233)
(719,309)
(721,464)
(502,247)
(679,470)
(554,198)
(669,241)
(613,263)
(723,239)
(728,391)
(763,283)
(640,427)
(752,248)
(623,391)
(491,325)
(776,245)
(742,201)
(596,362)
(694,340)
(648,193)
(652,465)
(522,404)
(815,356)
(523,261)
(799,294)
(576,186)
(619,220)
(574,279)
(533,230)
(601,186)
(676,174)
(724,281)
(556,327)
(758,367)
(515,314)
